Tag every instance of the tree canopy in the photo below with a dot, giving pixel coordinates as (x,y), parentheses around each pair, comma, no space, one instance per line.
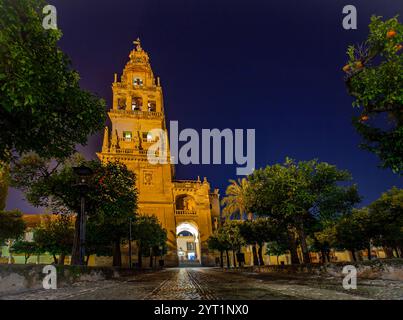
(12,226)
(27,248)
(42,107)
(374,78)
(111,195)
(55,235)
(299,194)
(386,219)
(149,235)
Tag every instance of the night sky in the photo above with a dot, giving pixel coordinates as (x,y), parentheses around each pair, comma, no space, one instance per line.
(270,65)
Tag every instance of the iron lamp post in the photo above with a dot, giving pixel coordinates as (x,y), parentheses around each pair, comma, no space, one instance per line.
(83,174)
(130,242)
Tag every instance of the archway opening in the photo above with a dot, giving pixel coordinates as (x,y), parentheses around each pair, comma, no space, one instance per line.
(188,243)
(185,204)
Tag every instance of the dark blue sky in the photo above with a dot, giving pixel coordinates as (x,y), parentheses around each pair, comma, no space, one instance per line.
(270,65)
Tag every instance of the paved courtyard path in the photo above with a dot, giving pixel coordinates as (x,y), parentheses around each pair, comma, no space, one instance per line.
(214,284)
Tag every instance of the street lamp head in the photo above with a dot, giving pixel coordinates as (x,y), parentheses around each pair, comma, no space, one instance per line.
(83,174)
(83,171)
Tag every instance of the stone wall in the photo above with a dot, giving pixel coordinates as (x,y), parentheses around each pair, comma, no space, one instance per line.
(387,269)
(16,278)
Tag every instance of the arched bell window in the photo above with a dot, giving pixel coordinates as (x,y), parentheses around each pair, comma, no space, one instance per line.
(121,104)
(152,106)
(136,103)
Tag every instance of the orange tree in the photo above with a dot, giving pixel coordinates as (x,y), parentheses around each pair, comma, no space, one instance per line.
(55,236)
(374,78)
(149,235)
(42,107)
(232,234)
(111,196)
(301,195)
(386,217)
(258,232)
(219,241)
(27,248)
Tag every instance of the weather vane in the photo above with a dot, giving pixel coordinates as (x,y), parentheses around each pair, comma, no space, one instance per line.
(137,43)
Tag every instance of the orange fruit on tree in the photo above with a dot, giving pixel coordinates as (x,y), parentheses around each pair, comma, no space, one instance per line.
(346,68)
(398,47)
(391,34)
(364,118)
(359,64)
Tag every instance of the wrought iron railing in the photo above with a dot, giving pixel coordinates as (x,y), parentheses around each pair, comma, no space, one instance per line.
(185,212)
(137,114)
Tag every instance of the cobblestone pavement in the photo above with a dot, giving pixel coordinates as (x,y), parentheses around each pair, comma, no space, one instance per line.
(214,284)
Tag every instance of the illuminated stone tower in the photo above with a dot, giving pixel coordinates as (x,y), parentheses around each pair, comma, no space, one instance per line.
(186,209)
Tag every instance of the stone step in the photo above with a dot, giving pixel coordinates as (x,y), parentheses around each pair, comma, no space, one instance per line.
(195,263)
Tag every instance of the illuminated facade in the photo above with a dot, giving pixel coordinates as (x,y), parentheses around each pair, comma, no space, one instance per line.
(181,206)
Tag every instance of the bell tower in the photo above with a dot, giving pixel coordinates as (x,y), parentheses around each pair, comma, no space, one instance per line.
(187,209)
(138,108)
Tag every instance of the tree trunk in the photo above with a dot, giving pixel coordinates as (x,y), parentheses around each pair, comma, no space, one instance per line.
(117,257)
(139,256)
(26,258)
(353,255)
(233,258)
(54,259)
(260,249)
(75,254)
(221,259)
(4,182)
(388,252)
(10,255)
(62,258)
(277,261)
(228,261)
(87,259)
(293,248)
(151,258)
(369,252)
(304,246)
(327,255)
(255,257)
(323,255)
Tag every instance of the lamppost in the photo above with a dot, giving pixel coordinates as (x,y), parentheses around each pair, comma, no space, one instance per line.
(231,239)
(161,261)
(130,242)
(83,173)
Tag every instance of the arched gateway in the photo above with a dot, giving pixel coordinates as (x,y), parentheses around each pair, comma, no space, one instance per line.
(190,205)
(188,244)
